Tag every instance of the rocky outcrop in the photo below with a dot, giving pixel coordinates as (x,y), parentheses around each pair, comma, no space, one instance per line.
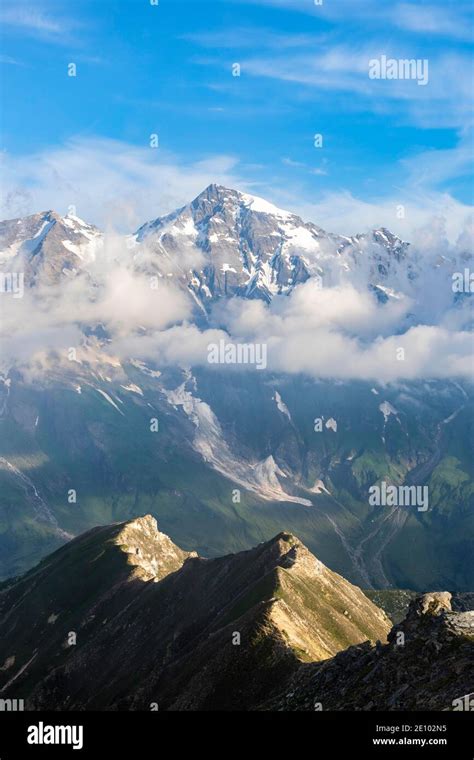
(151,552)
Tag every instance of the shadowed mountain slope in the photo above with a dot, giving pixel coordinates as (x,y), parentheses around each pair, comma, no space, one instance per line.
(122,618)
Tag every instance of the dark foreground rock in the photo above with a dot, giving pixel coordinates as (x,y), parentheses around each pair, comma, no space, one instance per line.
(428,664)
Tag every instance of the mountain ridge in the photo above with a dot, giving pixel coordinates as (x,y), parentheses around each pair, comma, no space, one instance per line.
(250,247)
(223,244)
(133,622)
(102,586)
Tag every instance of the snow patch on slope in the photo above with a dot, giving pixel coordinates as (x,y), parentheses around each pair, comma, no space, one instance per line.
(132,388)
(387,409)
(261,206)
(144,368)
(282,407)
(111,401)
(259,477)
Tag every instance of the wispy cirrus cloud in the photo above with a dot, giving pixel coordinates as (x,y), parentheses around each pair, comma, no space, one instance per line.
(111,183)
(446,100)
(447,21)
(33,20)
(323,62)
(316,171)
(9,60)
(251,37)
(451,20)
(432,168)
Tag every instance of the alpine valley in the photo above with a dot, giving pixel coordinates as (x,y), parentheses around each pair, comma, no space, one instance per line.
(102,422)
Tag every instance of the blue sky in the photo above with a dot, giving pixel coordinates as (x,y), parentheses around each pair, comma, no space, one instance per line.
(167,69)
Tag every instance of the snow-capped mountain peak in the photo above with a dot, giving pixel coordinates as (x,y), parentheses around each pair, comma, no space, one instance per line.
(250,248)
(224,243)
(47,245)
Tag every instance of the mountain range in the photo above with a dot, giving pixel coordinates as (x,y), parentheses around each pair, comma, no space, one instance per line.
(236,455)
(227,243)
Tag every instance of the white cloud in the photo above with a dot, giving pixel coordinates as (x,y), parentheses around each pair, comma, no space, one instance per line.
(341,308)
(332,333)
(119,186)
(429,19)
(29,19)
(111,184)
(127,303)
(444,102)
(345,214)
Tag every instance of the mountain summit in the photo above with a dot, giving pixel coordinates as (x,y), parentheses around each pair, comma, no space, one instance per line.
(252,249)
(224,243)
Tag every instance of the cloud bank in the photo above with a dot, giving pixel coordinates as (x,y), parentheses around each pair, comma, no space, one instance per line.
(330,333)
(334,332)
